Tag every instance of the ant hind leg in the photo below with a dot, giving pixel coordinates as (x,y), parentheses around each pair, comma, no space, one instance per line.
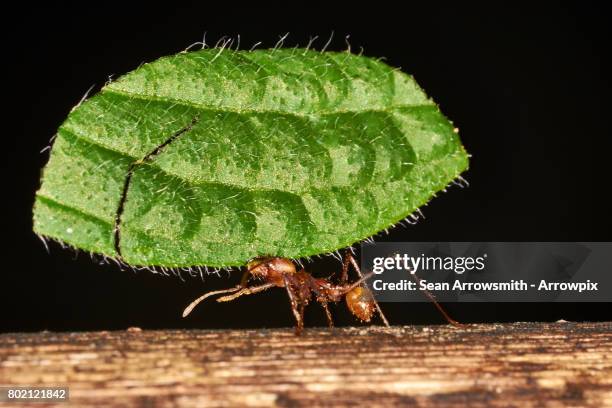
(435,303)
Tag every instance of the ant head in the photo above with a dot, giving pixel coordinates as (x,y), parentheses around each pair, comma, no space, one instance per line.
(270,267)
(361,303)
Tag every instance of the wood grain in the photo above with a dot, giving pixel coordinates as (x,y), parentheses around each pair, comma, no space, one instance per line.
(520,364)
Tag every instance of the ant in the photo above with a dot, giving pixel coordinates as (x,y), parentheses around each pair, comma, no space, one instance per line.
(301,286)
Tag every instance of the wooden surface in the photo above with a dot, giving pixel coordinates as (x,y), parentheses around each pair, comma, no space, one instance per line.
(520,364)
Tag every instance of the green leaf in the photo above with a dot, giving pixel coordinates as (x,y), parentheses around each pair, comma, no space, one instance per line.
(215,157)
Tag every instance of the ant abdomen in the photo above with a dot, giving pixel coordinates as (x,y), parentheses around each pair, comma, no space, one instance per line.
(360,302)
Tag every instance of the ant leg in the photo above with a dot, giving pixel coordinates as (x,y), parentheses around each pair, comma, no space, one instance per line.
(299,318)
(302,305)
(330,321)
(435,302)
(345,267)
(349,258)
(246,291)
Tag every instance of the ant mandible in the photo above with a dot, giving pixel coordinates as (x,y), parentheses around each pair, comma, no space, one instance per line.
(302,286)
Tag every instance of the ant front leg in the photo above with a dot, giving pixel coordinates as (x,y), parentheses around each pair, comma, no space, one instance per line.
(296,307)
(349,259)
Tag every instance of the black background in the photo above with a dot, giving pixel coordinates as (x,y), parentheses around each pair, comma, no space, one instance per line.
(527,86)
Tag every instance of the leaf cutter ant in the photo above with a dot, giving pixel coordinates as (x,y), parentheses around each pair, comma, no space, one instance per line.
(301,287)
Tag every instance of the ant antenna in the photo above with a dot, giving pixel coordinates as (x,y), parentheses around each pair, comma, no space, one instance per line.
(246,291)
(193,304)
